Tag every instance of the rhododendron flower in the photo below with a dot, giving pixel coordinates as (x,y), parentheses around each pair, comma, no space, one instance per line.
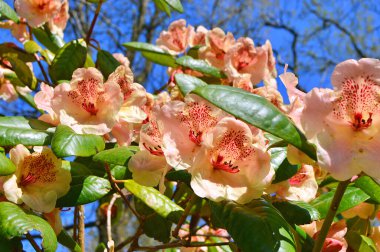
(43,101)
(54,220)
(230,164)
(344,122)
(335,241)
(147,169)
(199,37)
(217,45)
(270,70)
(176,39)
(245,59)
(301,187)
(8,91)
(58,23)
(86,104)
(39,179)
(183,127)
(363,210)
(271,94)
(37,12)
(18,30)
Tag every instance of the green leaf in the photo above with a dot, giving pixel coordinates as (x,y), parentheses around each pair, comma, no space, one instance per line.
(10,50)
(68,58)
(6,166)
(7,11)
(360,243)
(188,83)
(51,41)
(175,4)
(14,245)
(163,6)
(152,53)
(18,130)
(120,172)
(352,197)
(161,234)
(258,112)
(285,171)
(117,156)
(106,63)
(264,228)
(89,62)
(180,175)
(369,186)
(200,66)
(23,72)
(14,222)
(84,190)
(155,200)
(31,47)
(306,242)
(66,240)
(297,212)
(66,143)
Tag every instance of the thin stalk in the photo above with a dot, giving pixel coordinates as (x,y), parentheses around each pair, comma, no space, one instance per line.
(330,215)
(81,226)
(97,11)
(33,242)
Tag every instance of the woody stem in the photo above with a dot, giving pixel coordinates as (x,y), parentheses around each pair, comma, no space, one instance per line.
(339,192)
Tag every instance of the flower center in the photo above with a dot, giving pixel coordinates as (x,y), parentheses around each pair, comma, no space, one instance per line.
(195,137)
(154,150)
(36,168)
(298,179)
(87,94)
(218,164)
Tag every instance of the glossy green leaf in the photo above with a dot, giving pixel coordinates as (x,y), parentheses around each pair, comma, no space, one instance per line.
(14,222)
(285,171)
(10,50)
(106,63)
(6,166)
(66,143)
(120,172)
(370,187)
(257,111)
(23,72)
(200,66)
(117,156)
(188,83)
(306,242)
(152,53)
(51,41)
(8,12)
(257,226)
(67,59)
(18,130)
(161,59)
(175,4)
(352,197)
(31,47)
(66,240)
(163,6)
(360,243)
(297,212)
(84,190)
(150,226)
(180,175)
(155,200)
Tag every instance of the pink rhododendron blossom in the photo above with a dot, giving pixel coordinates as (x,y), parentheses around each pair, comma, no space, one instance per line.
(270,70)
(54,220)
(147,169)
(8,91)
(363,210)
(183,127)
(344,122)
(122,59)
(37,12)
(230,165)
(151,136)
(43,101)
(199,37)
(176,39)
(86,104)
(18,30)
(217,45)
(301,187)
(271,94)
(58,23)
(335,241)
(39,179)
(245,59)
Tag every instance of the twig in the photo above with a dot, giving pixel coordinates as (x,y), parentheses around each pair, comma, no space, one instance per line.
(110,243)
(192,200)
(182,244)
(81,236)
(330,215)
(117,188)
(75,226)
(33,242)
(88,36)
